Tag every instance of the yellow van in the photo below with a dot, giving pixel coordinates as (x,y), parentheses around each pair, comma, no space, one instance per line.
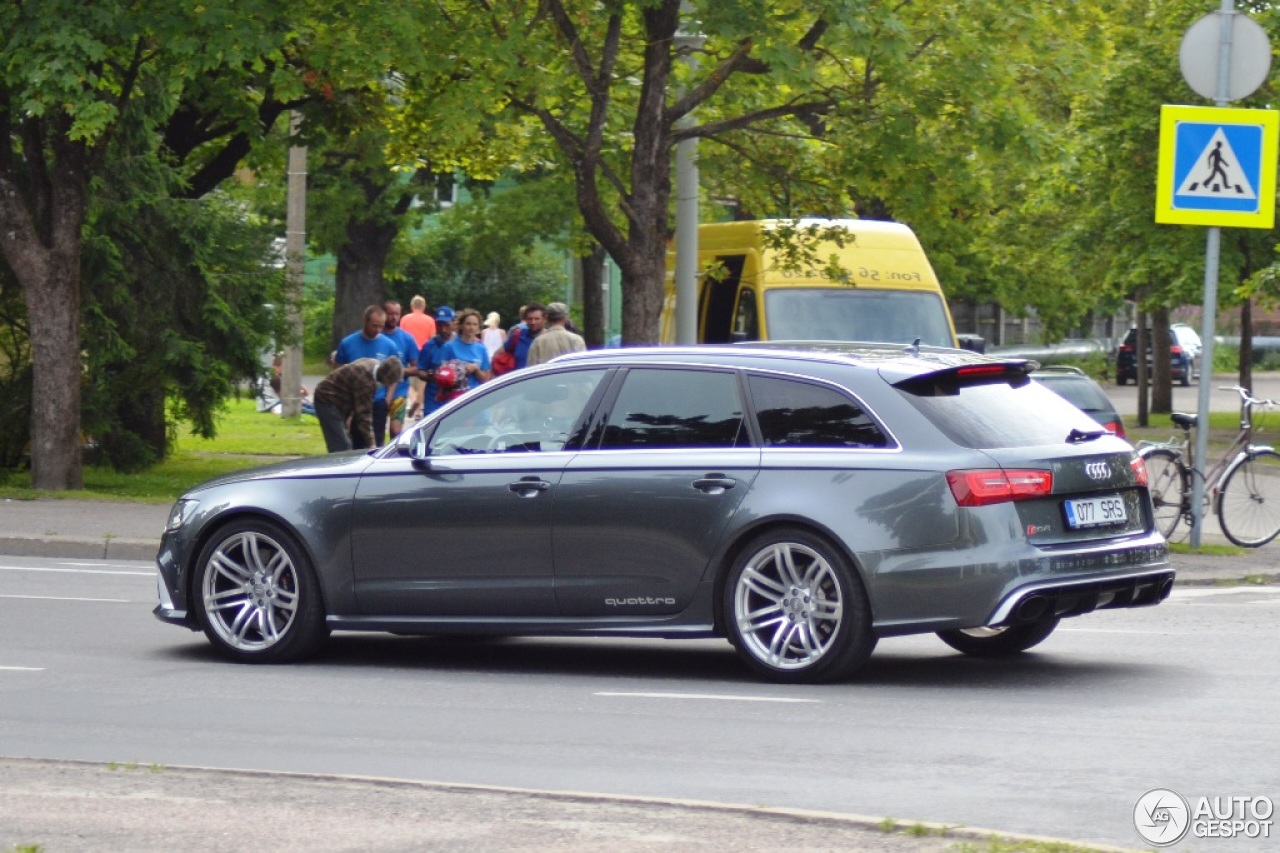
(888,293)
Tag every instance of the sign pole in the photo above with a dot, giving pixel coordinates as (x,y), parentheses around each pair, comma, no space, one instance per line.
(1209,314)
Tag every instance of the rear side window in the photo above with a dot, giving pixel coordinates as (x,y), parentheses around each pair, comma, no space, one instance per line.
(996,415)
(667,408)
(1083,393)
(800,414)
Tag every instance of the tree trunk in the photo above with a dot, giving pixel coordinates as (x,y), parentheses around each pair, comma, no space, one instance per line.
(1246,348)
(594,321)
(1162,381)
(358,279)
(40,235)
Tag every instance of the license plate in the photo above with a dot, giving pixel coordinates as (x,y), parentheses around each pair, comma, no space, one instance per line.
(1095,512)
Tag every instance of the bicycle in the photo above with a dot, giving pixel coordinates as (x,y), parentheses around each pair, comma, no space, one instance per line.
(1242,486)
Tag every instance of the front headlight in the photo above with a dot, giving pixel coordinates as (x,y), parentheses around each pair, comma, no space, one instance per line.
(180,514)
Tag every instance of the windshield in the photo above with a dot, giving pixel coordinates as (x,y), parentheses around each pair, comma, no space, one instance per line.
(854,314)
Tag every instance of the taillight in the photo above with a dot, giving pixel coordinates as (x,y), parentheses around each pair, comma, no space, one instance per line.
(1114,427)
(1126,348)
(1140,470)
(1175,350)
(996,485)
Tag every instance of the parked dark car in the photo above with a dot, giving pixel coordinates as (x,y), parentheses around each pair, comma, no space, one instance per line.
(1085,394)
(802,503)
(1181,364)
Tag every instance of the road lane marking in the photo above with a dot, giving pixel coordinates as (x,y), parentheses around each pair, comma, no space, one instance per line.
(1225,590)
(708,696)
(21,669)
(49,570)
(67,598)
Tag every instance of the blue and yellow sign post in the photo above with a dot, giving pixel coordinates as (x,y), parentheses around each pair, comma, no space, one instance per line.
(1217,167)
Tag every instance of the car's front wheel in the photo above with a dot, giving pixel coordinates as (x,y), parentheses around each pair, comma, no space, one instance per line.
(796,611)
(256,595)
(998,642)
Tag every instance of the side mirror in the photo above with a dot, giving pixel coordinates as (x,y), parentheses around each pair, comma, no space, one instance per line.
(972,342)
(416,448)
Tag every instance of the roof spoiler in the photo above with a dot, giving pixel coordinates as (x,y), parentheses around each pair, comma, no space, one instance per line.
(949,380)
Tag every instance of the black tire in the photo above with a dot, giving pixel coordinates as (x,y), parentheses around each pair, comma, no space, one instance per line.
(999,642)
(1121,379)
(795,610)
(1186,378)
(256,595)
(1249,504)
(1167,482)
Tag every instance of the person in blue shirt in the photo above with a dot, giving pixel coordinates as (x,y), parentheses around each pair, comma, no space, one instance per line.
(370,342)
(534,317)
(432,356)
(391,410)
(467,354)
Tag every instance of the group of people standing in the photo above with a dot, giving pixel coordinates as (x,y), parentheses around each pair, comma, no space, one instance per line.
(396,368)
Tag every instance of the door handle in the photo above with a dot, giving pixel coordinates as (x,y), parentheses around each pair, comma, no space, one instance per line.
(714,484)
(528,487)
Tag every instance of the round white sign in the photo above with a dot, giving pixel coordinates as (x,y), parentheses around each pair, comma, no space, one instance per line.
(1250,56)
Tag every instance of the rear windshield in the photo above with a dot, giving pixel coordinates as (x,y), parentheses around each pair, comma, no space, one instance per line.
(992,416)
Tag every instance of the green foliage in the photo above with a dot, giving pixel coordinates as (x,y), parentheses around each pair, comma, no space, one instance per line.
(174,304)
(474,256)
(15,375)
(1226,358)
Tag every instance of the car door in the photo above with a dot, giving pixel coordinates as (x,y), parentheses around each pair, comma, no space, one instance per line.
(641,509)
(468,533)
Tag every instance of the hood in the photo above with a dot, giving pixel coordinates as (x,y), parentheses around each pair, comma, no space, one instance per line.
(349,463)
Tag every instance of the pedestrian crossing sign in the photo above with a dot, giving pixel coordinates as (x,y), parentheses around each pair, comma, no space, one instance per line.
(1217,167)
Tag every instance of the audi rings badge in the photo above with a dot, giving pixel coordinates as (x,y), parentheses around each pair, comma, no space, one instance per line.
(1097,470)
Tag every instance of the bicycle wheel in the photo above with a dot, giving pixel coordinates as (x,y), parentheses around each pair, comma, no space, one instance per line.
(1167,480)
(1249,506)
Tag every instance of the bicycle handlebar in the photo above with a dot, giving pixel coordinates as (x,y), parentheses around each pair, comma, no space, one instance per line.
(1246,396)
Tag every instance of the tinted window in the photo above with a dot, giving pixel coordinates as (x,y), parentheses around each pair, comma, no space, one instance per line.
(997,415)
(670,408)
(1080,391)
(536,414)
(800,414)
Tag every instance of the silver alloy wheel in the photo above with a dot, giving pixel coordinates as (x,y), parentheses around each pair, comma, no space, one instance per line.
(982,633)
(788,606)
(250,591)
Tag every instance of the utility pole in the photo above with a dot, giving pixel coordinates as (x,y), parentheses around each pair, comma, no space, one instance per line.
(295,248)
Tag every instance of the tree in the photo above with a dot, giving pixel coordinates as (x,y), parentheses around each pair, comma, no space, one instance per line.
(832,84)
(216,71)
(70,71)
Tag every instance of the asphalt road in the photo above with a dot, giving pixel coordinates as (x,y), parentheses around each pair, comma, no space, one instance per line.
(1265,385)
(1061,742)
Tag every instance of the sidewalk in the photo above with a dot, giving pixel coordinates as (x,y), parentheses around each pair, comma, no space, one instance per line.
(108,530)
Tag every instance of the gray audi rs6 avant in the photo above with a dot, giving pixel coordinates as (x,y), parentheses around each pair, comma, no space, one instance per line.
(800,500)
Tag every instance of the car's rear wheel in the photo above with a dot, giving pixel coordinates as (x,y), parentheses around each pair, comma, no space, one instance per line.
(256,595)
(998,642)
(795,610)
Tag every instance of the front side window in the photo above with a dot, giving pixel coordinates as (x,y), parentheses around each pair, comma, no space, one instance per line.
(792,413)
(537,414)
(667,408)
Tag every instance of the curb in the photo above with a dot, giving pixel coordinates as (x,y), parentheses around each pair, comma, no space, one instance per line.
(106,548)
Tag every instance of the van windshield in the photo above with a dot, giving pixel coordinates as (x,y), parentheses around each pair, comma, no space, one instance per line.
(855,314)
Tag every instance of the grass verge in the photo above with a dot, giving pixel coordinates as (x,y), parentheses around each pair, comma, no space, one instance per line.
(246,438)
